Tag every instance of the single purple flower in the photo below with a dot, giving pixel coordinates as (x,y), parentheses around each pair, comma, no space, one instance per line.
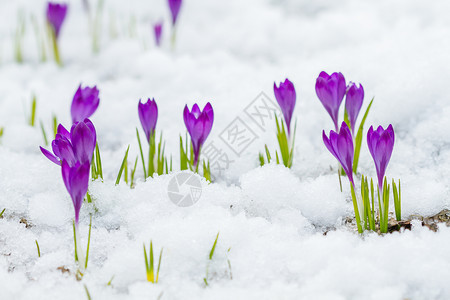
(148,114)
(84,139)
(341,146)
(331,91)
(174,6)
(157,28)
(199,125)
(56,13)
(76,146)
(381,144)
(286,97)
(76,180)
(353,102)
(85,102)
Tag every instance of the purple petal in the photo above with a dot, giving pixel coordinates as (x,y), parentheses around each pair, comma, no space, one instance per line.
(50,156)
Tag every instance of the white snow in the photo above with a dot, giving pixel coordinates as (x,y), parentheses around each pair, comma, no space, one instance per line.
(271,220)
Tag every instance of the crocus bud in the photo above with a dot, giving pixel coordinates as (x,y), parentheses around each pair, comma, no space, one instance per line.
(199,125)
(331,91)
(381,144)
(286,97)
(353,102)
(84,139)
(76,180)
(148,114)
(157,28)
(341,146)
(174,6)
(56,13)
(85,102)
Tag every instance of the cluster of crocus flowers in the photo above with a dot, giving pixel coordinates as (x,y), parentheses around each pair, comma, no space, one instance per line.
(286,97)
(198,124)
(331,90)
(56,13)
(157,162)
(380,143)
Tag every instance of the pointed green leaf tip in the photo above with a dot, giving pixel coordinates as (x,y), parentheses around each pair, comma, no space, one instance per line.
(211,253)
(122,167)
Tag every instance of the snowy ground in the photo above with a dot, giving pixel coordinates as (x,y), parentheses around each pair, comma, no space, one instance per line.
(271,219)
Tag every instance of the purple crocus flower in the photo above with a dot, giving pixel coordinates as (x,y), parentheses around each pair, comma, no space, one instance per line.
(341,146)
(174,6)
(84,139)
(148,114)
(199,125)
(331,91)
(56,13)
(85,102)
(73,147)
(157,28)
(76,180)
(353,102)
(286,97)
(381,144)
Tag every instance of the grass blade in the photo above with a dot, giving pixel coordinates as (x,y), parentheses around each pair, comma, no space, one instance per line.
(142,153)
(359,137)
(124,162)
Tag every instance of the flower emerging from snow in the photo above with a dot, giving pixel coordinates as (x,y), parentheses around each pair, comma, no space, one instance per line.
(341,146)
(199,125)
(84,104)
(331,91)
(75,147)
(174,6)
(381,144)
(56,13)
(353,102)
(148,114)
(286,97)
(76,180)
(157,28)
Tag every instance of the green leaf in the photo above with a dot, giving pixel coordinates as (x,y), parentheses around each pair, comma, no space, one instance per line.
(183,156)
(359,136)
(261,159)
(122,167)
(1,213)
(43,133)
(355,207)
(38,249)
(75,240)
(133,172)
(211,253)
(98,161)
(89,243)
(33,111)
(397,204)
(268,154)
(159,265)
(142,153)
(87,292)
(55,126)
